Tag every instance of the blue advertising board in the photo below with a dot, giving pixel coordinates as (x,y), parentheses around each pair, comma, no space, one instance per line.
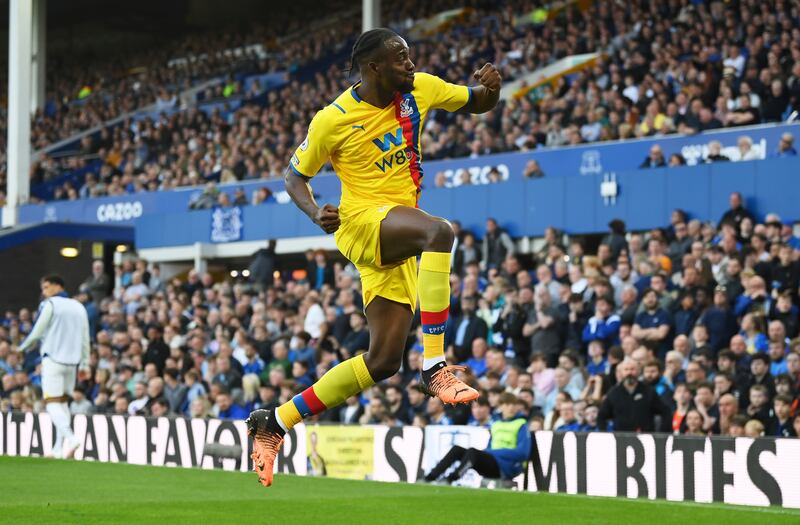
(525,207)
(579,164)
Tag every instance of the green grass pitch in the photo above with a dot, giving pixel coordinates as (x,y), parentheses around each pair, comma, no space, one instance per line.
(42,491)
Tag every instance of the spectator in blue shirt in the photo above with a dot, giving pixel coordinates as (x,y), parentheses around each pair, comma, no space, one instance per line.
(777,357)
(590,417)
(253,364)
(300,349)
(653,325)
(225,408)
(755,297)
(753,333)
(358,338)
(598,364)
(301,374)
(477,362)
(686,316)
(654,376)
(603,326)
(569,423)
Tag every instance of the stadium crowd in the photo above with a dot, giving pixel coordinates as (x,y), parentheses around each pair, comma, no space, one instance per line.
(689,328)
(668,67)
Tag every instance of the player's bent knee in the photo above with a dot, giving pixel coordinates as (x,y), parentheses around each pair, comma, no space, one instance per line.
(381,368)
(440,236)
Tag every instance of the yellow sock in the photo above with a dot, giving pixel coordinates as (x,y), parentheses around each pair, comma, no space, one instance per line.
(434,301)
(346,379)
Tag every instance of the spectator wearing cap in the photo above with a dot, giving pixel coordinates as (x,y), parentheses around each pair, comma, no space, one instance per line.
(786,146)
(604,325)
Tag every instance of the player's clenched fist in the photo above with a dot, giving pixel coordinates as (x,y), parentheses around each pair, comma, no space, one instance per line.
(488,76)
(327,218)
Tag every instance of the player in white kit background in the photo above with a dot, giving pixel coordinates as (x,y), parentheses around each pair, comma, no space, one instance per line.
(63,327)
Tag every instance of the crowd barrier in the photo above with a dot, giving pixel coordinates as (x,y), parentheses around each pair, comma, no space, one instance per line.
(744,471)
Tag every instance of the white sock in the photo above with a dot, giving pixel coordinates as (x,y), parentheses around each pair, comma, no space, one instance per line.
(279,420)
(59,414)
(56,417)
(428,363)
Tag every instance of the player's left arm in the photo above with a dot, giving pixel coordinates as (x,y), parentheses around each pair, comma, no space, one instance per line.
(39,327)
(485,96)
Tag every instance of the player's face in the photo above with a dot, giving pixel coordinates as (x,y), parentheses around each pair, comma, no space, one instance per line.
(398,69)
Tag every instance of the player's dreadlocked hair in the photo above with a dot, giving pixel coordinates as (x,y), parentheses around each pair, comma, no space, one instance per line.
(367,43)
